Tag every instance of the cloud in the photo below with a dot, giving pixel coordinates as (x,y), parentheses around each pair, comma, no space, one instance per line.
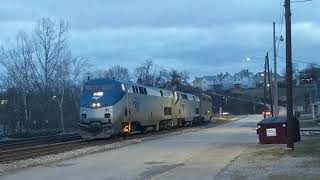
(203,37)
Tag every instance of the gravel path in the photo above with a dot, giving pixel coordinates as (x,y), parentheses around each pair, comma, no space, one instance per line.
(270,162)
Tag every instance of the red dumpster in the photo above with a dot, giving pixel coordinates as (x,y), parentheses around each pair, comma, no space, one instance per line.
(273,130)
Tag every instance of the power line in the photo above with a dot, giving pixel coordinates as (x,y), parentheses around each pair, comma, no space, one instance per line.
(281,26)
(301,61)
(299,1)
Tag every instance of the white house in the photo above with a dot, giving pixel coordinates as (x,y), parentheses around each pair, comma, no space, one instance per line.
(227,81)
(206,82)
(244,79)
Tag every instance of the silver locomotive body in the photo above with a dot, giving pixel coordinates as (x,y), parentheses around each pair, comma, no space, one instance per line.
(109,107)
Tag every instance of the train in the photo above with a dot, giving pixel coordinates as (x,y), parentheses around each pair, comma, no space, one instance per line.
(110,107)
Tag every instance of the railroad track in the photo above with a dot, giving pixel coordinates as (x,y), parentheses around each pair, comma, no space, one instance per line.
(26,152)
(28,142)
(40,150)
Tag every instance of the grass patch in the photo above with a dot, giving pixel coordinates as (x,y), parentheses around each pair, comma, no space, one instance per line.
(307,147)
(271,152)
(309,123)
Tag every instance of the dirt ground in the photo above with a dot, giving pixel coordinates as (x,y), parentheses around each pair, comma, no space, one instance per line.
(276,162)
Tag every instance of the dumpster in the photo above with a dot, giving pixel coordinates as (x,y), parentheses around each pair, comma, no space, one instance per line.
(273,130)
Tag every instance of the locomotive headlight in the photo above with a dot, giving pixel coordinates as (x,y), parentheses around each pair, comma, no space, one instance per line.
(94,105)
(98,104)
(98,94)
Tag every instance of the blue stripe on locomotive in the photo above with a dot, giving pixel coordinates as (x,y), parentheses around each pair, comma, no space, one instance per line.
(110,96)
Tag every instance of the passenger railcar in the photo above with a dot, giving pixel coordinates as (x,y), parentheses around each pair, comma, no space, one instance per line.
(109,107)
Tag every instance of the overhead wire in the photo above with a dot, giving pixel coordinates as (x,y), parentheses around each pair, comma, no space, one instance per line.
(281,24)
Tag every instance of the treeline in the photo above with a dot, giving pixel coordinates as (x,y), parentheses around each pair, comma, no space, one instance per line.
(149,74)
(41,80)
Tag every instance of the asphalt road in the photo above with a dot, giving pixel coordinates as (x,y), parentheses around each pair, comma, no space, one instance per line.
(193,155)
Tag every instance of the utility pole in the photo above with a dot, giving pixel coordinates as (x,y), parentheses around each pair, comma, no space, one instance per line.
(290,122)
(269,84)
(265,87)
(275,80)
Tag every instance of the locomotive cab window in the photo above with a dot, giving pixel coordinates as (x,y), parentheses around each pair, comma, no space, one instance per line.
(197,111)
(107,115)
(161,93)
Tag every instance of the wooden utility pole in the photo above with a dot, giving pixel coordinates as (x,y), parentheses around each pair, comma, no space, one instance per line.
(265,87)
(275,79)
(290,122)
(269,84)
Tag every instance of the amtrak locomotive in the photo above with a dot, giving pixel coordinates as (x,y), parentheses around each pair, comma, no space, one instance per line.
(109,107)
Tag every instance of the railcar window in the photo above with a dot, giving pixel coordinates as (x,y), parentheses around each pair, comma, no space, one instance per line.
(125,111)
(136,89)
(197,111)
(141,90)
(183,96)
(167,111)
(145,91)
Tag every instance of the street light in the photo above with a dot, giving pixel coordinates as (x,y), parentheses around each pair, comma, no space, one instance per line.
(254,58)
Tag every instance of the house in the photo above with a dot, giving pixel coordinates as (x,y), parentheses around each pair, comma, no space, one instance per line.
(244,79)
(227,81)
(207,82)
(259,78)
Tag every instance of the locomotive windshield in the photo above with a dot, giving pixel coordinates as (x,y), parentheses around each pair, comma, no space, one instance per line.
(91,87)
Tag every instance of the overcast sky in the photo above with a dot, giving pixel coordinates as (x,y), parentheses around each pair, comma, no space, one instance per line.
(204,37)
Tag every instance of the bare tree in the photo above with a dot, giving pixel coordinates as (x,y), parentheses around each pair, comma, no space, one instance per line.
(17,61)
(50,46)
(143,73)
(118,73)
(51,54)
(161,78)
(39,68)
(77,67)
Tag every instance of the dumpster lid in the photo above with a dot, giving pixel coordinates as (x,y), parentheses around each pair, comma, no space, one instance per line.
(273,120)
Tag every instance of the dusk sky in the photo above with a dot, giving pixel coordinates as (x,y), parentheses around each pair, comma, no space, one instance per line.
(204,37)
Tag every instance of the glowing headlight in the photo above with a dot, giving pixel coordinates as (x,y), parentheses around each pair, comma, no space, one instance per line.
(94,105)
(98,104)
(98,94)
